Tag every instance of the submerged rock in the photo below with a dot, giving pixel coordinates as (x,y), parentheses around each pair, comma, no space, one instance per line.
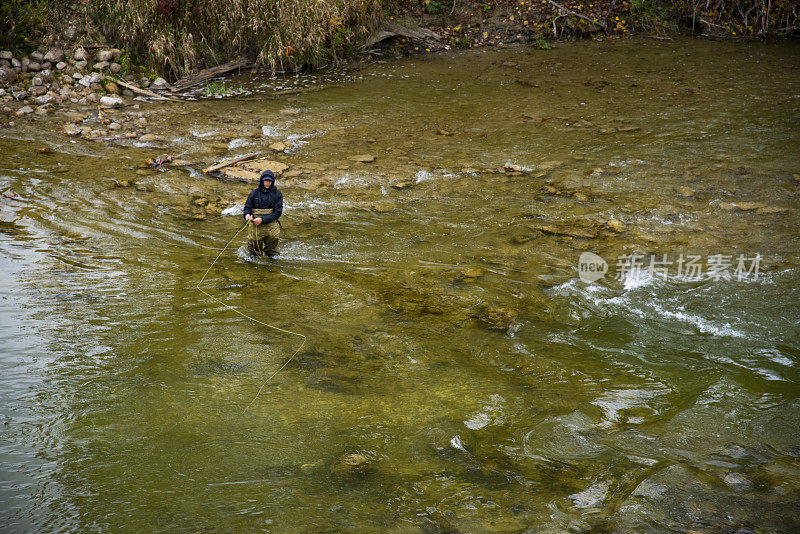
(351,465)
(615,225)
(496,317)
(742,206)
(362,158)
(567,231)
(771,210)
(738,482)
(472,272)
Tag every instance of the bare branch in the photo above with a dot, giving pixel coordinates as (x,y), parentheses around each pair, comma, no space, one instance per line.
(568,12)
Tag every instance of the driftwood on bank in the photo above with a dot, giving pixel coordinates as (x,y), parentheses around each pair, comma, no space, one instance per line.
(231,161)
(391,28)
(207,74)
(145,92)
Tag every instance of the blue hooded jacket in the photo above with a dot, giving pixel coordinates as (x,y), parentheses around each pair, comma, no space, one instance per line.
(265,198)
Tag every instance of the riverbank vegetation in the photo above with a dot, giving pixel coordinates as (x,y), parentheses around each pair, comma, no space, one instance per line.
(178,37)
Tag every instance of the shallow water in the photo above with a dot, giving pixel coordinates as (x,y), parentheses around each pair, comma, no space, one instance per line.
(458,375)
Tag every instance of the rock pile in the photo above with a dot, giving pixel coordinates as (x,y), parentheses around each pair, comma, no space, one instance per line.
(44,79)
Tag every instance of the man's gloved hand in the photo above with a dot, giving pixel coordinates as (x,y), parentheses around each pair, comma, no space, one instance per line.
(248,217)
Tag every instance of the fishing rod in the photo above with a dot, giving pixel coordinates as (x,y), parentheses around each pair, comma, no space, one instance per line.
(279,329)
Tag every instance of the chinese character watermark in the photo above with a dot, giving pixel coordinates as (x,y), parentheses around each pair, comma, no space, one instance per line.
(677,267)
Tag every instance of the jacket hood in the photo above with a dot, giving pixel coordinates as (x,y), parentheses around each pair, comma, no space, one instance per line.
(267,174)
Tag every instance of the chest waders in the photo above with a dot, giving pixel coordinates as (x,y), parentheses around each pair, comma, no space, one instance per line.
(263,239)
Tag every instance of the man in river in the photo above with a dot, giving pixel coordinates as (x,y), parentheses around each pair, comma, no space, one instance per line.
(263,208)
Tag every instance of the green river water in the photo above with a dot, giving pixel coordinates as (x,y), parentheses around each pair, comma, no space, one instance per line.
(458,375)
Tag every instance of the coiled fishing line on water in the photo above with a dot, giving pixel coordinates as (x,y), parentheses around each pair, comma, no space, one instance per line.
(279,329)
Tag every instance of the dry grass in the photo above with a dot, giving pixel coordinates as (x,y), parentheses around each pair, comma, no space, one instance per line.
(180,36)
(741,18)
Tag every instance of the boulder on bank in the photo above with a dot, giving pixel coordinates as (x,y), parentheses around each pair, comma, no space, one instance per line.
(54,55)
(159,84)
(110,101)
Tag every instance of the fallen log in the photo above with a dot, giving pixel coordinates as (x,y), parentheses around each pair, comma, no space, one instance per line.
(207,74)
(231,161)
(144,92)
(391,28)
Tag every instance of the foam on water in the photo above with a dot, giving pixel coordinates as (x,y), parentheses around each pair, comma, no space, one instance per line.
(197,133)
(647,297)
(423,176)
(236,209)
(238,143)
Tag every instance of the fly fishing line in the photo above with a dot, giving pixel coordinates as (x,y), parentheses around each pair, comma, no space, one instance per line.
(279,329)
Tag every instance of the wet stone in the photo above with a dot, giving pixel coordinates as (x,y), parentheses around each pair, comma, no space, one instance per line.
(472,272)
(615,225)
(742,206)
(351,465)
(771,210)
(496,317)
(111,101)
(362,158)
(567,231)
(72,130)
(738,482)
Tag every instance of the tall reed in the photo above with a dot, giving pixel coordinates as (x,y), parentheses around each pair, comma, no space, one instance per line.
(179,36)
